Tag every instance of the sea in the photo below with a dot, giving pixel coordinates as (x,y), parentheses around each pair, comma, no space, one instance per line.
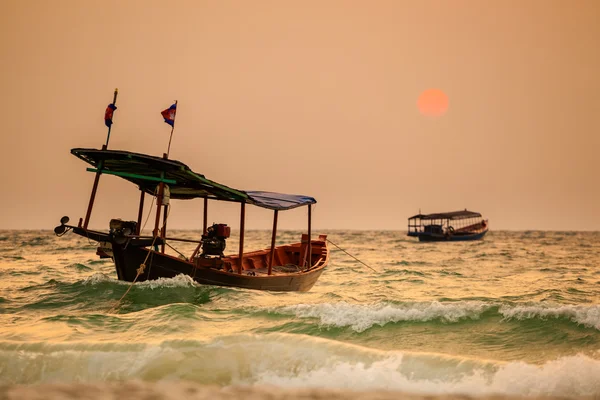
(514,314)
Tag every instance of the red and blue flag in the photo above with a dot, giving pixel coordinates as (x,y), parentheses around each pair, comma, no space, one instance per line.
(108,115)
(169,115)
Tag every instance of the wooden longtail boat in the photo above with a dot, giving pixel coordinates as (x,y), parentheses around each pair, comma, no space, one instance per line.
(292,267)
(449,226)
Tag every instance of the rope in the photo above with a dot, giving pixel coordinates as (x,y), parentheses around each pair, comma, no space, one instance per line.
(148,216)
(177,251)
(142,267)
(350,255)
(140,271)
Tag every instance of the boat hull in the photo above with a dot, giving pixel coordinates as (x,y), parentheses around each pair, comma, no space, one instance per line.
(430,237)
(158,265)
(129,257)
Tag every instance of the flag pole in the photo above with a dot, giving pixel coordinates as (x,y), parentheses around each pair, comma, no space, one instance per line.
(88,214)
(172,129)
(113,103)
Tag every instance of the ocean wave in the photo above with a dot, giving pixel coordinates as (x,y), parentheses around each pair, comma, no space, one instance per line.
(78,267)
(12,258)
(180,280)
(361,317)
(99,262)
(99,278)
(100,292)
(588,316)
(37,241)
(406,272)
(445,272)
(293,361)
(568,376)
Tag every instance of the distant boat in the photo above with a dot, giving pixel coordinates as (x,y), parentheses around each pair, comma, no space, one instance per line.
(448,226)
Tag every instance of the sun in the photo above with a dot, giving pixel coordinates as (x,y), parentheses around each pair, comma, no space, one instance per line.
(433,103)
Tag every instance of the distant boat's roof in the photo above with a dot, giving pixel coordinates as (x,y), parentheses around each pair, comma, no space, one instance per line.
(464,214)
(138,168)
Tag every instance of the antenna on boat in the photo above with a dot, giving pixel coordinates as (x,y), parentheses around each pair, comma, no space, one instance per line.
(108,115)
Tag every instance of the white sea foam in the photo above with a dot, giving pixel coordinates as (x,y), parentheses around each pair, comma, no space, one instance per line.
(362,317)
(587,315)
(180,280)
(569,376)
(99,277)
(294,361)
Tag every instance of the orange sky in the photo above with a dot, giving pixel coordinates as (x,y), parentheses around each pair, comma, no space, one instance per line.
(310,97)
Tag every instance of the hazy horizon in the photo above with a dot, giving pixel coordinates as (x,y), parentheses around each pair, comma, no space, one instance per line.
(314,98)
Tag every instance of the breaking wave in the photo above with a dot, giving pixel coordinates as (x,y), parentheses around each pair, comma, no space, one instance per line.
(292,361)
(360,317)
(180,281)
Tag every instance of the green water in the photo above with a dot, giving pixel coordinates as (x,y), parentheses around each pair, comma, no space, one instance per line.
(516,313)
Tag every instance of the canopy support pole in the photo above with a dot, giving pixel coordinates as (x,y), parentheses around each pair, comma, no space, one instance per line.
(242,226)
(159,197)
(164,228)
(204,226)
(159,206)
(88,214)
(138,229)
(309,233)
(273,236)
(307,250)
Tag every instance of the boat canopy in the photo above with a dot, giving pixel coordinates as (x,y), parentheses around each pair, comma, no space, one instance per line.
(147,172)
(453,215)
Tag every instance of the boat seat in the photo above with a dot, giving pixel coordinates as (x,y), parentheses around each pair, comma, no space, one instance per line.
(282,257)
(258,262)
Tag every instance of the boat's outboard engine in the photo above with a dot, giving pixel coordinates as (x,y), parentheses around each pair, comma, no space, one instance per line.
(119,229)
(213,243)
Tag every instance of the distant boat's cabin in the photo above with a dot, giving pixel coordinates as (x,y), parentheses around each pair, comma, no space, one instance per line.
(455,225)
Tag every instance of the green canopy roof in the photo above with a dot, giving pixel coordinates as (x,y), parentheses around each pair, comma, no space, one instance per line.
(147,171)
